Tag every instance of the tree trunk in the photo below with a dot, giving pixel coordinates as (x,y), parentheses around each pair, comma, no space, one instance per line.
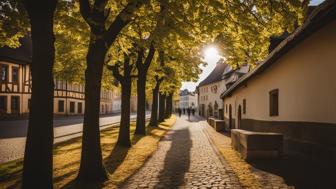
(38,161)
(141,107)
(91,167)
(124,133)
(141,88)
(162,102)
(168,111)
(154,113)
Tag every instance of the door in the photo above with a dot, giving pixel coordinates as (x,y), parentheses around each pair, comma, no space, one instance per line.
(15,105)
(239,117)
(203,110)
(230,116)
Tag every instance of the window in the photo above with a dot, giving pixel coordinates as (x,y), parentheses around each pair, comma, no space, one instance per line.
(3,72)
(274,102)
(72,107)
(244,106)
(79,108)
(61,106)
(3,104)
(15,104)
(15,75)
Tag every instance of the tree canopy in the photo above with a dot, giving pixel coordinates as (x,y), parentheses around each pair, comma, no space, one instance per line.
(241,29)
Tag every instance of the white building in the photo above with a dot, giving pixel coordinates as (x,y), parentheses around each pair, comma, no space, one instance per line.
(293,90)
(188,100)
(210,89)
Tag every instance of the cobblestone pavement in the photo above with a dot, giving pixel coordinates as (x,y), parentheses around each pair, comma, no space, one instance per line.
(184,159)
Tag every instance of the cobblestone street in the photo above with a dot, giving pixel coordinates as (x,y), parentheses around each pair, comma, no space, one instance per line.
(185,159)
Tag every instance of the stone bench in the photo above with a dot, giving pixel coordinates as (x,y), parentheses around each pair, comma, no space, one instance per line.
(219,125)
(253,145)
(211,121)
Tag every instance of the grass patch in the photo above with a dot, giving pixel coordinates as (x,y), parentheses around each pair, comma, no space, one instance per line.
(239,166)
(120,162)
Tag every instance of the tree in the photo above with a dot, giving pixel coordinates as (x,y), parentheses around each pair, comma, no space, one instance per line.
(169,105)
(97,16)
(158,78)
(141,89)
(243,28)
(145,30)
(162,106)
(125,81)
(38,164)
(155,96)
(14,23)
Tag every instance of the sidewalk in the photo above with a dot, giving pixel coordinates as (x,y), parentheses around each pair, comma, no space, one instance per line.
(13,133)
(291,171)
(185,159)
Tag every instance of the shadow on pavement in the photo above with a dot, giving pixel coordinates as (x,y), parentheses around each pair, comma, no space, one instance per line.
(118,155)
(177,160)
(300,172)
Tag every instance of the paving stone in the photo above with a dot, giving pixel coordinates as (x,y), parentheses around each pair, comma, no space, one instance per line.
(185,159)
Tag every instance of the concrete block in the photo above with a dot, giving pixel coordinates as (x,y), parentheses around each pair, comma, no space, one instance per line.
(253,145)
(219,125)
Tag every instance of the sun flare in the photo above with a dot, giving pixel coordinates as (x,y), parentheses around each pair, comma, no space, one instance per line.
(210,53)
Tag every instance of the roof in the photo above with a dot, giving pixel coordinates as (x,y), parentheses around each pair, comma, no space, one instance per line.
(322,15)
(20,55)
(186,92)
(215,75)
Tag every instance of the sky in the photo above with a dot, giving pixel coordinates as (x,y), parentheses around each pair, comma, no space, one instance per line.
(212,57)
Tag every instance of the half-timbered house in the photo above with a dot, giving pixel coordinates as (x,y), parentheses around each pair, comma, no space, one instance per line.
(15,87)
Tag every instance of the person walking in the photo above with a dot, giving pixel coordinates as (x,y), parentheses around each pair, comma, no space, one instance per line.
(193,111)
(179,111)
(188,111)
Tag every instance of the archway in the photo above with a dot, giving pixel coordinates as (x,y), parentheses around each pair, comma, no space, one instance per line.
(216,109)
(230,116)
(239,117)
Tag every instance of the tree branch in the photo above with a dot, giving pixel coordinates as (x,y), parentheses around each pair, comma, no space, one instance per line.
(122,19)
(85,10)
(139,58)
(150,56)
(115,71)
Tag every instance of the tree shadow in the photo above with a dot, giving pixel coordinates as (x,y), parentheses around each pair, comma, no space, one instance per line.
(118,155)
(177,160)
(74,184)
(300,171)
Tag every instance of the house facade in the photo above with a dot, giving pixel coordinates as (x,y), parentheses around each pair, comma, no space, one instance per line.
(15,87)
(209,90)
(188,99)
(293,90)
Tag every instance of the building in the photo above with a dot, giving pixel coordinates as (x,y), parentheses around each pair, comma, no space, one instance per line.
(188,99)
(210,89)
(176,102)
(15,86)
(116,101)
(293,90)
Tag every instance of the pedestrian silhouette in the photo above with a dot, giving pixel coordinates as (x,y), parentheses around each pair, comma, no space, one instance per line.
(179,111)
(188,111)
(193,112)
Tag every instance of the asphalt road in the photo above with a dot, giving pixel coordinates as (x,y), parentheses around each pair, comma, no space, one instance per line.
(13,133)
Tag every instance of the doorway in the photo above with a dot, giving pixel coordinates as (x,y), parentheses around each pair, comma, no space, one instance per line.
(230,116)
(239,117)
